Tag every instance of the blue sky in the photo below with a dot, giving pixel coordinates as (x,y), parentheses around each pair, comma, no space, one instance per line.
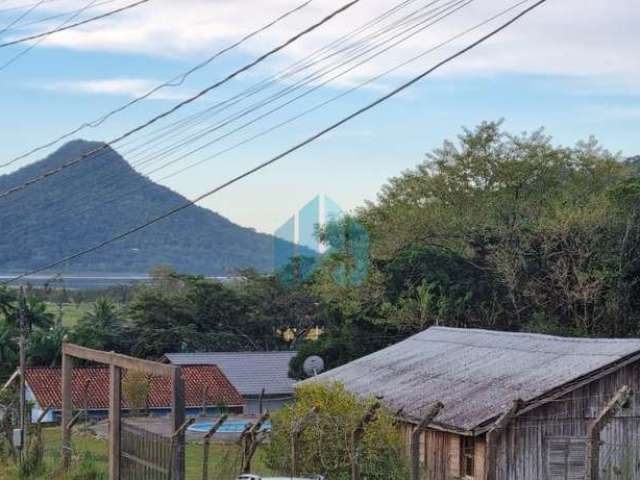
(570,67)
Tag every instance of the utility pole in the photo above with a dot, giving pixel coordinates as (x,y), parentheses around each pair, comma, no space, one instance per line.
(23,366)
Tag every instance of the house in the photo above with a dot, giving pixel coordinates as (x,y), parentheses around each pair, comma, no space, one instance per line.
(545,391)
(206,387)
(262,378)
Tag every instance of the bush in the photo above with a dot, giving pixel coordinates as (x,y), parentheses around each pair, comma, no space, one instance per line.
(325,446)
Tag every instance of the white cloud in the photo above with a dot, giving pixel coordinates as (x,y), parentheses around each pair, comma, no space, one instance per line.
(594,41)
(127,87)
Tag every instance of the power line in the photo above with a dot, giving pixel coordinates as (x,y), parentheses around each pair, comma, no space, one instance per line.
(293,149)
(22,53)
(175,81)
(181,104)
(58,15)
(22,17)
(278,77)
(74,25)
(438,15)
(455,7)
(21,7)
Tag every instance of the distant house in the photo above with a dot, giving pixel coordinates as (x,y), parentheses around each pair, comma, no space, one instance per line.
(563,385)
(262,378)
(205,387)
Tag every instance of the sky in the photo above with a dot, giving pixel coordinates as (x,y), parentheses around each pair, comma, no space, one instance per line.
(571,67)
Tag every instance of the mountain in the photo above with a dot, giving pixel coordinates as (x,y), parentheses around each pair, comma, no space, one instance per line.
(103,196)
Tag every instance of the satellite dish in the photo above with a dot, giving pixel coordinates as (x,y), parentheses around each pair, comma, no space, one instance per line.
(313,365)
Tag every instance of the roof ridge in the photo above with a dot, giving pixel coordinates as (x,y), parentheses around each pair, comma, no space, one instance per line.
(278,352)
(498,333)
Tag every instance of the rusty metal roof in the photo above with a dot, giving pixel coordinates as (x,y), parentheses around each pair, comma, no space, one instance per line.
(476,374)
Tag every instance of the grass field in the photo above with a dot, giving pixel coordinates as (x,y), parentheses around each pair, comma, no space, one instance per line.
(221,462)
(71,312)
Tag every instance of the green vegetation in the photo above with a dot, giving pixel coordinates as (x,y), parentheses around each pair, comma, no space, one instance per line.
(71,313)
(198,240)
(493,231)
(326,444)
(91,457)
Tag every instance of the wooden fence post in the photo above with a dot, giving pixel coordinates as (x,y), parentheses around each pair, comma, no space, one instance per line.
(260,401)
(617,402)
(251,443)
(296,431)
(177,405)
(416,436)
(115,402)
(207,441)
(491,436)
(356,439)
(205,398)
(67,409)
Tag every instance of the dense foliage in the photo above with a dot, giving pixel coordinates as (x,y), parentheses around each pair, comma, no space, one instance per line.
(325,444)
(494,231)
(174,313)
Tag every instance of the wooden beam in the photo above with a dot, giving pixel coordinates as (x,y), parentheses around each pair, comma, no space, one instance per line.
(619,399)
(177,410)
(296,432)
(416,436)
(11,380)
(121,361)
(491,437)
(115,401)
(206,448)
(42,415)
(356,439)
(251,442)
(67,408)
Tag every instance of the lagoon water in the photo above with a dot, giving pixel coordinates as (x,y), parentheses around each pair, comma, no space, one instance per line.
(84,281)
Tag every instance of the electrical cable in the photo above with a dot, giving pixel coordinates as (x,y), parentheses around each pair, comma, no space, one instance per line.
(74,25)
(293,149)
(182,104)
(180,79)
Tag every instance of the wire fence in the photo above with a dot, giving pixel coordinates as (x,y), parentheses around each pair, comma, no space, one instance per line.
(218,457)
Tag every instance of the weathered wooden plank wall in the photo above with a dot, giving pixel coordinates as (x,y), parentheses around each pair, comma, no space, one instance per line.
(522,448)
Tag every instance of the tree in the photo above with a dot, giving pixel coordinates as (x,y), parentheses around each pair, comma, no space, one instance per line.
(101,329)
(537,228)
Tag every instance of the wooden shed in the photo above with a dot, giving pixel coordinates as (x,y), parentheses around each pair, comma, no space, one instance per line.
(517,406)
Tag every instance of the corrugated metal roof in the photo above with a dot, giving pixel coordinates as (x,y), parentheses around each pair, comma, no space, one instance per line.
(476,373)
(45,383)
(249,372)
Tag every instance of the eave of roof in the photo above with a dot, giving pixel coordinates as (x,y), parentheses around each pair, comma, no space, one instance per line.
(478,372)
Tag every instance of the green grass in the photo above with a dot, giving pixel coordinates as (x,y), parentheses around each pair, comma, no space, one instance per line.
(221,457)
(71,312)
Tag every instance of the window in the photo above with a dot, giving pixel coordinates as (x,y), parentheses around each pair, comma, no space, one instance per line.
(566,457)
(468,449)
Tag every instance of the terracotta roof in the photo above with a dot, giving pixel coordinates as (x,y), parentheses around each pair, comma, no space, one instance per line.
(45,383)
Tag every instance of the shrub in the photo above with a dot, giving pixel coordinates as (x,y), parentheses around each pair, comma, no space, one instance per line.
(326,446)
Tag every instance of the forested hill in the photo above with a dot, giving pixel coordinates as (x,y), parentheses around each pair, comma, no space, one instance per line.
(99,197)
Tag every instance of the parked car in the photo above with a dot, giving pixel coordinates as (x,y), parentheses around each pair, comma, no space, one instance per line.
(249,476)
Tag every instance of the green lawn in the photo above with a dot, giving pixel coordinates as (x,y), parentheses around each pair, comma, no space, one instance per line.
(71,312)
(222,461)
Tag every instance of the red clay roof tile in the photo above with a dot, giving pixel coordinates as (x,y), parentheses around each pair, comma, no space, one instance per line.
(45,383)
